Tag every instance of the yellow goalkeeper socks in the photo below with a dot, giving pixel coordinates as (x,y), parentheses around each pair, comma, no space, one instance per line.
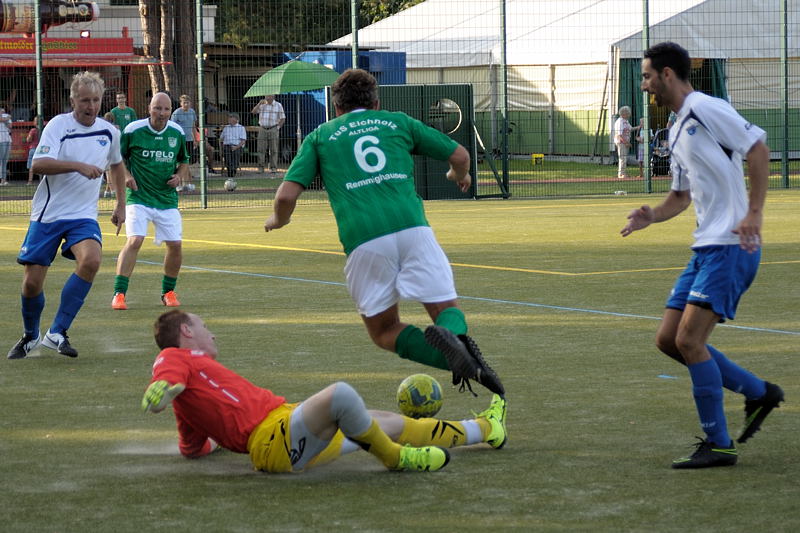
(444,433)
(376,442)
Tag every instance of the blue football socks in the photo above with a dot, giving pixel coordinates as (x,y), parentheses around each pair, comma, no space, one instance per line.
(31,313)
(72,296)
(736,378)
(707,390)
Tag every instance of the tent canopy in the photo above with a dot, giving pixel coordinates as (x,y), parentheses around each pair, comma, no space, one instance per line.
(542,32)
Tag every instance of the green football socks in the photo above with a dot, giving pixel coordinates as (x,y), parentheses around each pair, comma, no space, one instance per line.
(411,345)
(453,319)
(121,284)
(168,284)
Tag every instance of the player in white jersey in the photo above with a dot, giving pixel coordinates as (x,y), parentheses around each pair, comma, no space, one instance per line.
(75,150)
(708,141)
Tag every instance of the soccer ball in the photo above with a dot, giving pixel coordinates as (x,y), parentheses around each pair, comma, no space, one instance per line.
(230,184)
(419,396)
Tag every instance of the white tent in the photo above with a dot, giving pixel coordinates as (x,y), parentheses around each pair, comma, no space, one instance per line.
(439,35)
(564,56)
(445,33)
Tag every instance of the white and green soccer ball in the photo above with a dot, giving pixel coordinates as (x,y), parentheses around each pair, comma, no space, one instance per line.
(230,185)
(419,396)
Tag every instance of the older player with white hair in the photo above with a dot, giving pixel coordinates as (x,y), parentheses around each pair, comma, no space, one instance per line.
(75,150)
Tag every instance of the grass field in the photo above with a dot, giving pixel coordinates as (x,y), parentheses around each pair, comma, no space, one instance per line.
(563,308)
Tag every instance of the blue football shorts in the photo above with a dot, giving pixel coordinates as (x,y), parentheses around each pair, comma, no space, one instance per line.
(42,240)
(715,278)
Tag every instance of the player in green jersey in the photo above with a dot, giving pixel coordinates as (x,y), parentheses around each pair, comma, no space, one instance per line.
(364,157)
(155,152)
(123,115)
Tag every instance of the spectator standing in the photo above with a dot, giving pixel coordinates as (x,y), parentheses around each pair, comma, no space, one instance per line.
(186,118)
(622,139)
(640,151)
(5,144)
(270,121)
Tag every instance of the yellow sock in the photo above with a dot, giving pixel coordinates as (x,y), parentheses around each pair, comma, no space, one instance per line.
(444,433)
(378,443)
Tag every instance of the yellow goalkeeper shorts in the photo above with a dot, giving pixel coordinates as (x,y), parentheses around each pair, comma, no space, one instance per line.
(270,443)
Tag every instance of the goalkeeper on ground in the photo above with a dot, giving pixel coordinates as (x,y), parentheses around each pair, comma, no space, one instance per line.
(214,407)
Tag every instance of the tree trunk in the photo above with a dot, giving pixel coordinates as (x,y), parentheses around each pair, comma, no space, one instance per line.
(149,12)
(185,62)
(167,45)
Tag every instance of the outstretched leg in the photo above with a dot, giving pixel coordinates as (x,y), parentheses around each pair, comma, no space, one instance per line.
(339,407)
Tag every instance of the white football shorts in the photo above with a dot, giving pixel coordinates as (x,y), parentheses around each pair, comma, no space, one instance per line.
(407,265)
(168,222)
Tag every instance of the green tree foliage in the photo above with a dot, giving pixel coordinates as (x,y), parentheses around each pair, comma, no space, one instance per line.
(295,25)
(374,10)
(288,23)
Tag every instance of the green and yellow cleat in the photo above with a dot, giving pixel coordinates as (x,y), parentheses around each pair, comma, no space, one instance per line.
(424,459)
(496,415)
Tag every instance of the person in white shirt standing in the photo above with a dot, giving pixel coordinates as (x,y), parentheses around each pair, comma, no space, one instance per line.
(270,120)
(74,151)
(708,141)
(5,144)
(622,139)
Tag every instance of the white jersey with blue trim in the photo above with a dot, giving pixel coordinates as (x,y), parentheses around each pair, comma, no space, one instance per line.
(708,142)
(71,195)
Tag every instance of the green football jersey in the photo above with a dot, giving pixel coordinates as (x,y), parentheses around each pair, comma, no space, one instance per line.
(364,159)
(123,117)
(152,157)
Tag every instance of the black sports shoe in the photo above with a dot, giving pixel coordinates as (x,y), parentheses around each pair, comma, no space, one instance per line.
(23,347)
(60,343)
(464,358)
(708,454)
(755,411)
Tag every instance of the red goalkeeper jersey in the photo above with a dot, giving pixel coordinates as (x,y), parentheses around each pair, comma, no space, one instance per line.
(217,402)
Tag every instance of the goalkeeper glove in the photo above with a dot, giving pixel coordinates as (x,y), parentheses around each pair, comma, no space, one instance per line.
(159,394)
